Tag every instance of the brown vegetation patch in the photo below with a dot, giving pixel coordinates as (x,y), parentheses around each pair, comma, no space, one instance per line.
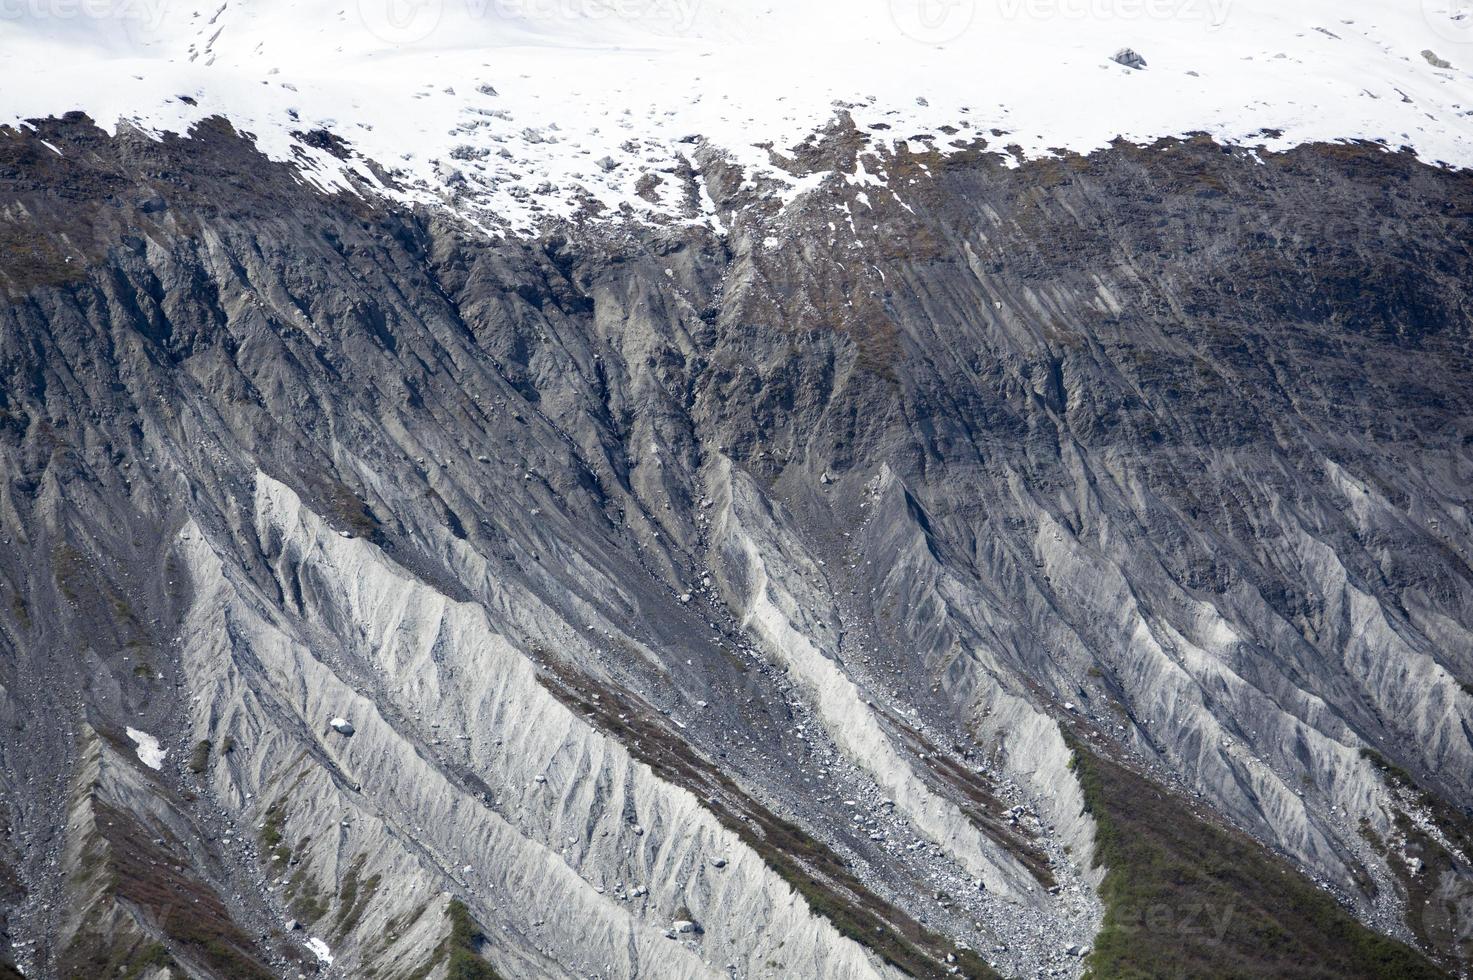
(806,863)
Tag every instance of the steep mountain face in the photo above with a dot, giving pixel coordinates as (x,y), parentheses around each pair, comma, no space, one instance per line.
(380,598)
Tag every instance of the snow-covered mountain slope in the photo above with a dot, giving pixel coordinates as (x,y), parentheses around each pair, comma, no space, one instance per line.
(517,110)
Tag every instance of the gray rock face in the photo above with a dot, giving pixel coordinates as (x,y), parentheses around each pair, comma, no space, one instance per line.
(664,577)
(1130,58)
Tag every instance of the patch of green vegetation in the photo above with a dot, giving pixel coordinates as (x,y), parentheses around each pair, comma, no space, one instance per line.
(348,894)
(199,758)
(350,509)
(20,610)
(177,575)
(304,898)
(461,948)
(144,670)
(272,839)
(91,955)
(307,903)
(1391,770)
(67,567)
(464,946)
(436,958)
(153,957)
(30,261)
(1371,837)
(122,610)
(1186,898)
(400,924)
(227,745)
(355,896)
(187,912)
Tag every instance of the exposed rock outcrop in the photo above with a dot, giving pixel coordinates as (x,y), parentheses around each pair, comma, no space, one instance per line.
(757,581)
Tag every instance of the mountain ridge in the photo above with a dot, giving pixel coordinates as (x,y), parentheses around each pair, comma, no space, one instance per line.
(861,514)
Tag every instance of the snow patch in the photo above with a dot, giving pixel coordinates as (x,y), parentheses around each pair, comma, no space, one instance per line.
(150,753)
(320,950)
(516,113)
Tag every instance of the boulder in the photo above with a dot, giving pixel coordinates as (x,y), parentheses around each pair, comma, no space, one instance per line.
(1129,58)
